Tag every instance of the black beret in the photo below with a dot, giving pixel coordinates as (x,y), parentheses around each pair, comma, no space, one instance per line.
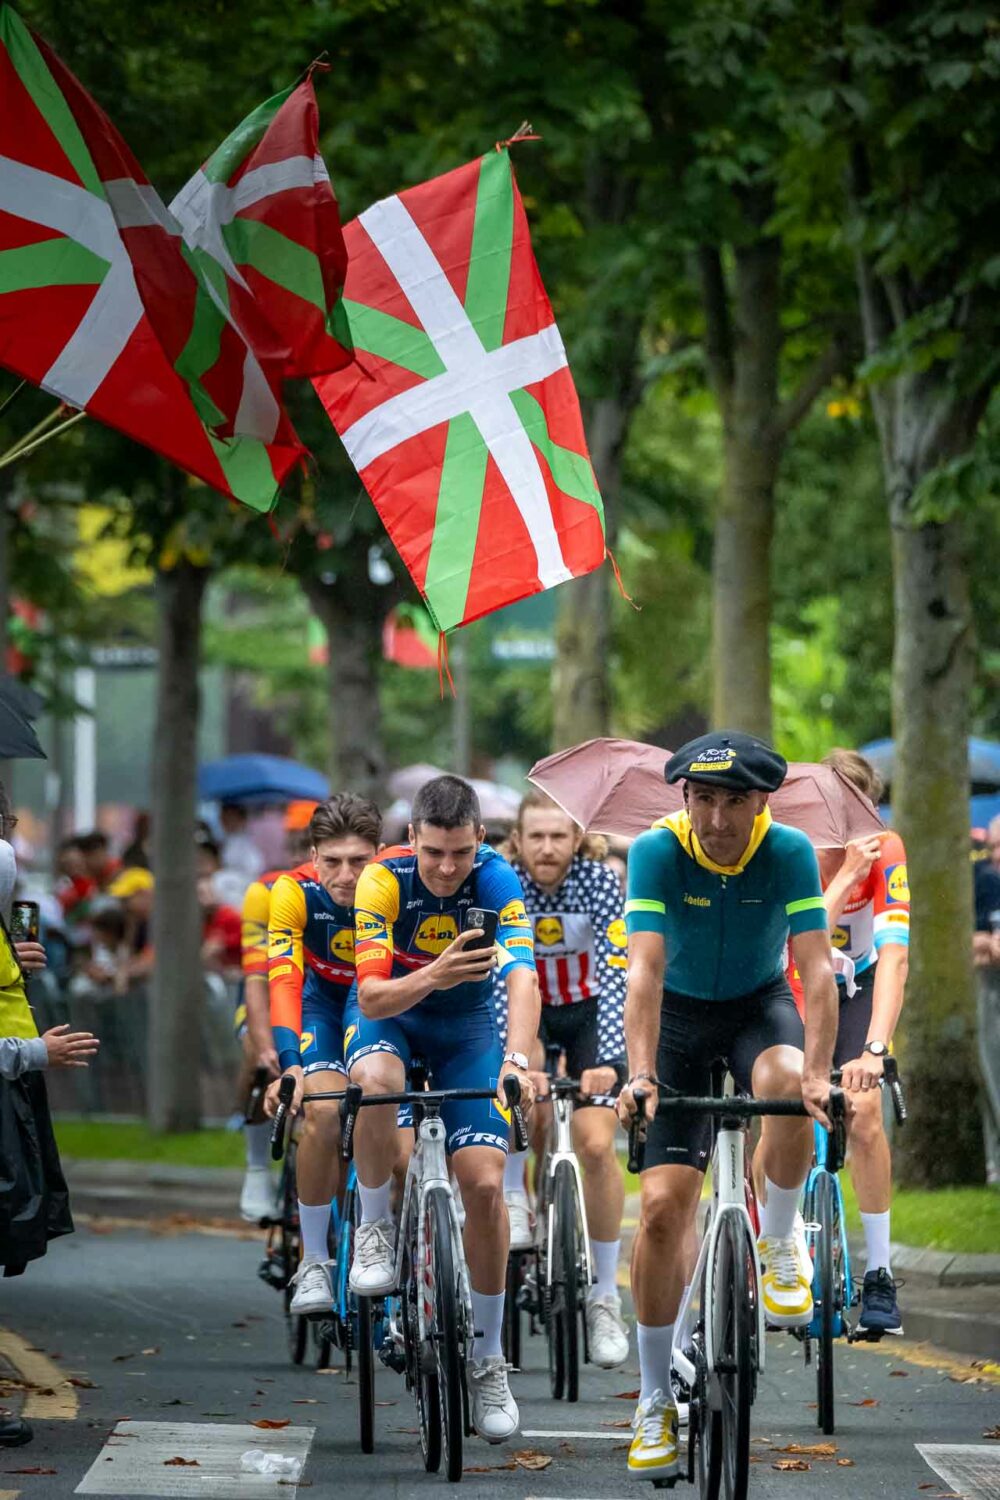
(730,759)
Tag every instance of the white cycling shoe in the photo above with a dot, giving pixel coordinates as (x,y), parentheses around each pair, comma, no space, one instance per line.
(257,1195)
(607,1334)
(494,1411)
(373,1269)
(313,1288)
(522,1222)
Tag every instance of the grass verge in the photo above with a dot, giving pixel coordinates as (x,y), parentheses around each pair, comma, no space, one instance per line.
(97,1140)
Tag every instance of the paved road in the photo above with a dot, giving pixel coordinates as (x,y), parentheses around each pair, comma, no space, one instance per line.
(173,1328)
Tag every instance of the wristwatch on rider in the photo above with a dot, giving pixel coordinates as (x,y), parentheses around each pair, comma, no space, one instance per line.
(516,1060)
(877,1049)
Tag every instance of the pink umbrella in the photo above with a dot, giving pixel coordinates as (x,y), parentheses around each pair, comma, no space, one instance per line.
(617,787)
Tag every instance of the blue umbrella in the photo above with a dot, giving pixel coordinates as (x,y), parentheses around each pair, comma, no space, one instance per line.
(984,761)
(260,778)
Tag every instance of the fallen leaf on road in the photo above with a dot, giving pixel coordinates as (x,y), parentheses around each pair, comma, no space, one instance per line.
(118,1359)
(899,1374)
(154,1349)
(814,1450)
(238,1325)
(529,1459)
(181,1463)
(307,1401)
(270,1424)
(178,1402)
(566,1448)
(619,1422)
(626,1396)
(993,1433)
(81,1383)
(487,1468)
(868,1401)
(386,1403)
(845,1463)
(798,1464)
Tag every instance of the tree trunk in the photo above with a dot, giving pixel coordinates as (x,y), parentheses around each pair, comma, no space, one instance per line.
(354,632)
(581,686)
(744,526)
(177,997)
(932,680)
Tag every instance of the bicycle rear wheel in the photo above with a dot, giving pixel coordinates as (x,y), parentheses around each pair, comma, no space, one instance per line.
(827,1257)
(511,1310)
(735,1334)
(566,1282)
(296,1326)
(447,1333)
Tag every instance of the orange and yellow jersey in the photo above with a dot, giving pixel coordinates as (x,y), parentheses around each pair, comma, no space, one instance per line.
(256,916)
(400,926)
(310,952)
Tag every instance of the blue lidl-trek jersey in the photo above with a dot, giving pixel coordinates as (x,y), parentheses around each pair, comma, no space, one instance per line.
(724,927)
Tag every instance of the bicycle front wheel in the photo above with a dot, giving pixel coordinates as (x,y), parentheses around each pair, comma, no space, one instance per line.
(446,1334)
(566,1283)
(825,1280)
(735,1337)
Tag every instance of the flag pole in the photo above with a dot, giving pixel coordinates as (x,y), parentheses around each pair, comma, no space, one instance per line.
(9,400)
(40,435)
(29,437)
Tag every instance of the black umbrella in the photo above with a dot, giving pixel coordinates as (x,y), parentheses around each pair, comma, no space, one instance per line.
(18,740)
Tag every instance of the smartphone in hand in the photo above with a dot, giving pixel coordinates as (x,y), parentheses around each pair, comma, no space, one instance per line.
(25,922)
(478,916)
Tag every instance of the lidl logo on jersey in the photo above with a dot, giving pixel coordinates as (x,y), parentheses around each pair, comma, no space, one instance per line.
(840,937)
(435,933)
(617,933)
(342,945)
(367,926)
(897,883)
(514,915)
(280,947)
(549,931)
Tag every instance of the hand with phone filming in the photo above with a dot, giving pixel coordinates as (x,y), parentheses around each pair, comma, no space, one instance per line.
(460,964)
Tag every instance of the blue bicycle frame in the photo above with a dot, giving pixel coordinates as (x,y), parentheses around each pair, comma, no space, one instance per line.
(847,1298)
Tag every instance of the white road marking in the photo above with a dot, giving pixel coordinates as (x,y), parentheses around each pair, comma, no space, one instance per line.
(972,1469)
(136,1460)
(608,1437)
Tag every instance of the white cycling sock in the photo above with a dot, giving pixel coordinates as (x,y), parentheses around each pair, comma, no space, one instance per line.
(488,1314)
(605,1254)
(876,1228)
(513,1172)
(375,1203)
(777,1219)
(655,1345)
(257,1139)
(315,1221)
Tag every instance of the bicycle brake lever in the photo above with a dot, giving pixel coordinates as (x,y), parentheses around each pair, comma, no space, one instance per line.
(349,1106)
(890,1071)
(519,1131)
(637,1133)
(286,1092)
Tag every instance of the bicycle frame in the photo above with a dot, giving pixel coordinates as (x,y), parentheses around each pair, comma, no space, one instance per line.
(821,1144)
(728,1201)
(559,1149)
(428,1172)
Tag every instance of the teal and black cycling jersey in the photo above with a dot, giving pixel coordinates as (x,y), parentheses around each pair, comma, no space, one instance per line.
(724,930)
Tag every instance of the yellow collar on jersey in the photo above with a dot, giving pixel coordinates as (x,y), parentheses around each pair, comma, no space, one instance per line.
(679,824)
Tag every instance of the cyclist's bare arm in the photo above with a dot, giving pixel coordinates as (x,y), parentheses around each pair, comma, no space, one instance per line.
(257,999)
(643,1002)
(524,1008)
(813,959)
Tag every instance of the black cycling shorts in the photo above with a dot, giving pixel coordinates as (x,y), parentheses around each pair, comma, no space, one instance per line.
(855,1018)
(696,1033)
(574,1028)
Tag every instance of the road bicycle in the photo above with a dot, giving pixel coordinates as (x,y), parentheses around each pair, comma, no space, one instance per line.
(354,1325)
(719,1334)
(283,1251)
(826,1236)
(550,1281)
(435,1319)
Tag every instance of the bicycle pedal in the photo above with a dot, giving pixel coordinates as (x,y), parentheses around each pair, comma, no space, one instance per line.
(393,1357)
(273,1273)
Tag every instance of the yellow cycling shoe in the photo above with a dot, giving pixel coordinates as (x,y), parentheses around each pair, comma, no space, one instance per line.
(653,1454)
(786,1283)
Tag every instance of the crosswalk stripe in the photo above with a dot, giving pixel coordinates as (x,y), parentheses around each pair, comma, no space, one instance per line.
(138,1459)
(972,1469)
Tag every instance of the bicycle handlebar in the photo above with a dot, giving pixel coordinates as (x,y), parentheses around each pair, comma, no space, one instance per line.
(734,1107)
(286,1091)
(353,1099)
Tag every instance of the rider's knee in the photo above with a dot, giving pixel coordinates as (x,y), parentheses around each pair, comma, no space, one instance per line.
(778,1074)
(667,1208)
(323,1120)
(866,1122)
(378,1074)
(595,1151)
(482,1193)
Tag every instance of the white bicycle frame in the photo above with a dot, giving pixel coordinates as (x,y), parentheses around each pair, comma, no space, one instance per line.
(428,1171)
(562,1150)
(728,1201)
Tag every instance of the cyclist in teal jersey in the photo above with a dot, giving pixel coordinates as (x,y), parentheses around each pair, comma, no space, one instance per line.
(714,892)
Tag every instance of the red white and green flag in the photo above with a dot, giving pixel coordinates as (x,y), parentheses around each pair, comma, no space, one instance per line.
(408,637)
(263,221)
(460,413)
(71,316)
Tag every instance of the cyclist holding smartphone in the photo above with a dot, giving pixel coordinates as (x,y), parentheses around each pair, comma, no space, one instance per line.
(424,988)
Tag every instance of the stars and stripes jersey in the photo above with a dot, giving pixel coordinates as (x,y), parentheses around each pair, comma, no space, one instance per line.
(310,951)
(580,947)
(400,926)
(255,917)
(724,927)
